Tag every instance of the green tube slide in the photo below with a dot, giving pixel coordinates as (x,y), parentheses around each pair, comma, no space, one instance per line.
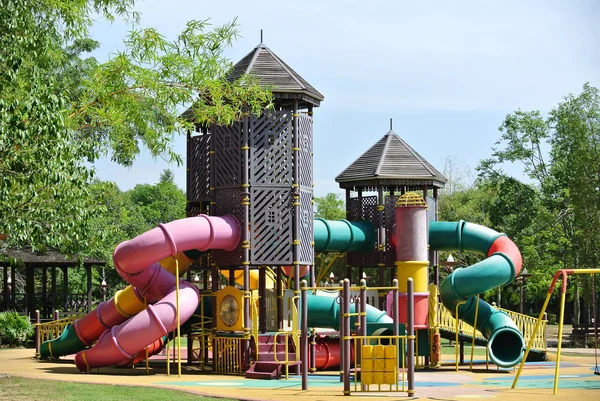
(68,343)
(343,235)
(324,311)
(505,341)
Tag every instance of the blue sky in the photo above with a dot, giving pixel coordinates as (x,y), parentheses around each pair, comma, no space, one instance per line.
(446,71)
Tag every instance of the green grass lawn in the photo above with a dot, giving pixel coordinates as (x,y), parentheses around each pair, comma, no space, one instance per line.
(19,389)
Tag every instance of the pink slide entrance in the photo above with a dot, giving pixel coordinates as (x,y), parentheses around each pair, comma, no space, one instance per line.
(136,261)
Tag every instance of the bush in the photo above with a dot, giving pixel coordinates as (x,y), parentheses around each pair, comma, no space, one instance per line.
(15,329)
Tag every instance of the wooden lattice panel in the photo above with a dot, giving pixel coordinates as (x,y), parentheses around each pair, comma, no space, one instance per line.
(271,149)
(364,208)
(198,181)
(305,156)
(354,210)
(306,255)
(271,228)
(229,201)
(389,217)
(228,155)
(194,209)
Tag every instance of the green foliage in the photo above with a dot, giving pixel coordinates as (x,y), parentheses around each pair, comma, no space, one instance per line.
(60,111)
(128,214)
(15,329)
(555,221)
(330,207)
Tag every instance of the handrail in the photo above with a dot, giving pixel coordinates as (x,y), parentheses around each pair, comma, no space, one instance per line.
(525,323)
(254,318)
(295,334)
(53,329)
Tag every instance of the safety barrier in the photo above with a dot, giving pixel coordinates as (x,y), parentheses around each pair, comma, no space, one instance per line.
(201,334)
(295,337)
(228,355)
(50,330)
(377,367)
(525,323)
(254,317)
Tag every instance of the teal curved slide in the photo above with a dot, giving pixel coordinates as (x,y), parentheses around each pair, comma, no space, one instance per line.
(324,311)
(503,264)
(343,235)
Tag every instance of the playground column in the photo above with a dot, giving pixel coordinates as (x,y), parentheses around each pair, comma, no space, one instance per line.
(246,232)
(346,339)
(304,336)
(411,254)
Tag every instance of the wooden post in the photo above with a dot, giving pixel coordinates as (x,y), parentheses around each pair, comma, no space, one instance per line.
(29,291)
(37,333)
(65,271)
(44,306)
(53,289)
(5,290)
(88,273)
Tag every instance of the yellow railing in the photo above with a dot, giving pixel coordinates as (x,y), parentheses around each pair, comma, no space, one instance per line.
(254,318)
(447,322)
(382,374)
(294,334)
(524,323)
(50,330)
(228,355)
(201,333)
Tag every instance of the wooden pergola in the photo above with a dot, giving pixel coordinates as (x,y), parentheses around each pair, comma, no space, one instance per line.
(42,294)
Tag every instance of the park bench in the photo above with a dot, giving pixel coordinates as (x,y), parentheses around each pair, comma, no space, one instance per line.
(583,332)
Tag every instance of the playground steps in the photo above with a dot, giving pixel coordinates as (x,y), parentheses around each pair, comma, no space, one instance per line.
(267,365)
(264,370)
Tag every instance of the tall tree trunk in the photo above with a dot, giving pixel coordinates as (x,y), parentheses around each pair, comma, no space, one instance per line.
(576,304)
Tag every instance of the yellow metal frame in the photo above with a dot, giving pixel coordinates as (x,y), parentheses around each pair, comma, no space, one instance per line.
(50,330)
(524,323)
(400,385)
(228,356)
(202,334)
(238,295)
(295,335)
(564,274)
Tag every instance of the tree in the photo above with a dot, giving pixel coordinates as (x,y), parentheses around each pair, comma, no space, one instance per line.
(568,180)
(59,112)
(330,207)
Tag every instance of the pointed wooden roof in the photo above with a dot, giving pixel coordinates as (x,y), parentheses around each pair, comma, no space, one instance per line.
(391,162)
(273,72)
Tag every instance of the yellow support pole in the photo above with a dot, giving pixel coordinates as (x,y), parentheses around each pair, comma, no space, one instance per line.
(532,338)
(456,333)
(473,336)
(560,332)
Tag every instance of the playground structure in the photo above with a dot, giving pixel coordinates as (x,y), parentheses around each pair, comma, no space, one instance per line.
(250,208)
(564,275)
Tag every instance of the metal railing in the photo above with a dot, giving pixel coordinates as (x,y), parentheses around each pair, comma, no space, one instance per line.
(295,336)
(228,355)
(379,373)
(524,323)
(201,333)
(51,330)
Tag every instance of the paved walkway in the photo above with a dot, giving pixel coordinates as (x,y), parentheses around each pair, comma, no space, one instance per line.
(577,380)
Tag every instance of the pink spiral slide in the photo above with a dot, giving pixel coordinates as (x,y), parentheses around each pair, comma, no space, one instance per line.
(136,261)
